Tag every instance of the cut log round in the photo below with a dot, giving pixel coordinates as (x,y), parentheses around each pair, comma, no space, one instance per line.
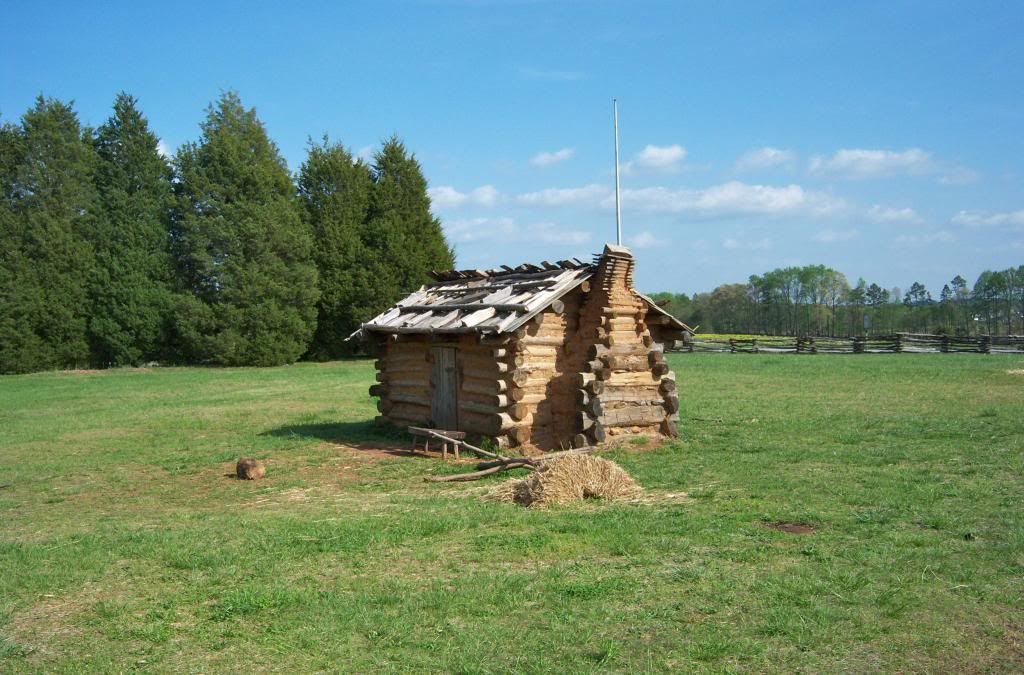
(579,441)
(516,393)
(518,411)
(519,377)
(584,421)
(594,407)
(520,434)
(378,390)
(668,427)
(597,433)
(667,386)
(659,369)
(672,404)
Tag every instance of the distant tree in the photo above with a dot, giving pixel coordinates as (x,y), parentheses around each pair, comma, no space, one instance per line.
(47,221)
(856,299)
(407,239)
(242,250)
(917,295)
(131,293)
(335,192)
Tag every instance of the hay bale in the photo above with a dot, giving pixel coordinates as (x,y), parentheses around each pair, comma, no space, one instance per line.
(249,469)
(569,479)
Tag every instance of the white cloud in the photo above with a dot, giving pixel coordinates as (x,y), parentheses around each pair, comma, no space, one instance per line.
(733,244)
(365,153)
(918,240)
(507,230)
(830,236)
(987,219)
(764,158)
(731,198)
(547,75)
(959,175)
(548,158)
(657,159)
(886,214)
(860,163)
(447,197)
(162,149)
(644,240)
(590,195)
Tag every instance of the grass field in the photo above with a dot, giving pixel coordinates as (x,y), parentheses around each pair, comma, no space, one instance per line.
(125,545)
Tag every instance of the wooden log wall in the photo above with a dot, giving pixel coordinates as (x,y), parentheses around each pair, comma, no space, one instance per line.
(544,381)
(624,384)
(403,380)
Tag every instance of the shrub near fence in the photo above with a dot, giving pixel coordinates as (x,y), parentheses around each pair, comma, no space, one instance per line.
(898,343)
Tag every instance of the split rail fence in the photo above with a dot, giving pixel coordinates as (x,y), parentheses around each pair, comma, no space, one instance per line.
(877,344)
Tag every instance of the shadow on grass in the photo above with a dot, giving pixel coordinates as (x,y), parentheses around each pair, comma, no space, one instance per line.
(365,435)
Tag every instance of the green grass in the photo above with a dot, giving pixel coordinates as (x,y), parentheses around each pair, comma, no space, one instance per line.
(125,546)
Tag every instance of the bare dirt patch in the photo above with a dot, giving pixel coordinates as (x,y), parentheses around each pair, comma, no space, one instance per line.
(790,528)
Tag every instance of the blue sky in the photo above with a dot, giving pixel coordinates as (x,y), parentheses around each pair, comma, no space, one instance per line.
(881,138)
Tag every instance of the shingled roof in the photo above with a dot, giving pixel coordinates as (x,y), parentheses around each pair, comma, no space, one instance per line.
(486,301)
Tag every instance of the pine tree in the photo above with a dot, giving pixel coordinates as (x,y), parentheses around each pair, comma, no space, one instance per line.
(241,248)
(406,236)
(335,193)
(131,293)
(47,221)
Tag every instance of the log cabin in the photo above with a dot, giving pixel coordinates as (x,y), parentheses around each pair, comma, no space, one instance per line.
(538,357)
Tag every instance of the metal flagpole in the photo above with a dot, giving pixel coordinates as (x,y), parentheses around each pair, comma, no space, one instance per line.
(618,208)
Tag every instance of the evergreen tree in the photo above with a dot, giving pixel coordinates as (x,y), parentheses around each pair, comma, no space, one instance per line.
(46,224)
(335,192)
(242,250)
(407,239)
(131,294)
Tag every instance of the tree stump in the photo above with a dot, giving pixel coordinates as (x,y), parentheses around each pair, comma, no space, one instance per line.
(249,469)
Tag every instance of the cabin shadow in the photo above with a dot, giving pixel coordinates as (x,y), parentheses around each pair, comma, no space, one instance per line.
(365,435)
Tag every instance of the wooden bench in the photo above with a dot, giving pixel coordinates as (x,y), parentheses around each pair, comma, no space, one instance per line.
(424,434)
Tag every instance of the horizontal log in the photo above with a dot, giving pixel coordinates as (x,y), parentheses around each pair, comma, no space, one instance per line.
(619,379)
(501,339)
(631,415)
(409,382)
(407,368)
(476,407)
(630,363)
(478,385)
(632,394)
(557,341)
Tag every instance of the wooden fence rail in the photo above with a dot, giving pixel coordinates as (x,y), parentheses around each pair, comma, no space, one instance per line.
(898,343)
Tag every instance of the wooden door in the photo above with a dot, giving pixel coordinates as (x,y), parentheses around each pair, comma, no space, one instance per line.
(444,399)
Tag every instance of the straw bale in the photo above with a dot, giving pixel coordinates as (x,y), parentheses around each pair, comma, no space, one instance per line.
(569,479)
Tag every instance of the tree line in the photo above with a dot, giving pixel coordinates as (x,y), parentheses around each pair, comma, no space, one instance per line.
(112,254)
(818,300)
